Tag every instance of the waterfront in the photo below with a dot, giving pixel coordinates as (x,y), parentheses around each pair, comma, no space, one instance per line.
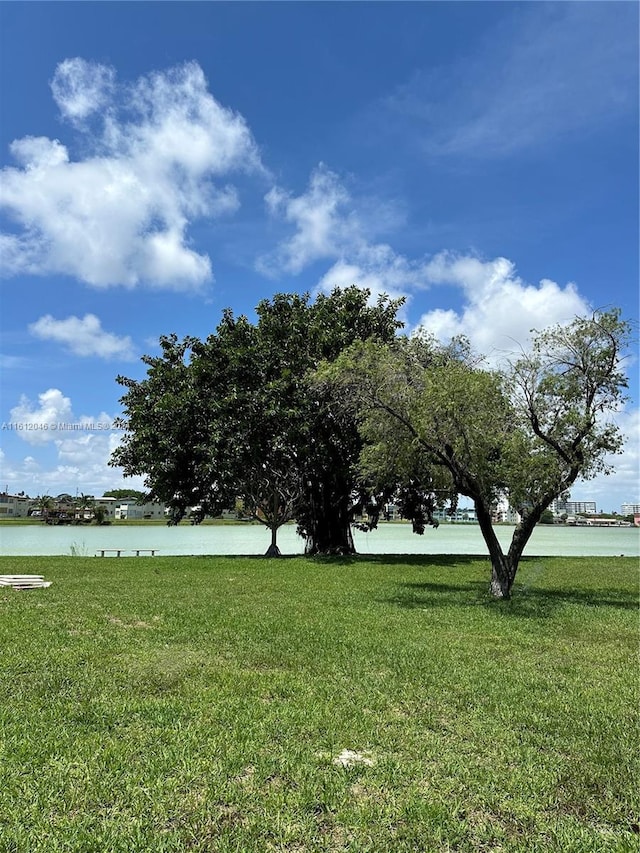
(235,539)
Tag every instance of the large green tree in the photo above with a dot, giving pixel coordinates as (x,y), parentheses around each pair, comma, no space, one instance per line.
(237,415)
(527,432)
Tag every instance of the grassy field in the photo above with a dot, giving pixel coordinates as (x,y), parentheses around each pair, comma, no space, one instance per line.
(199,704)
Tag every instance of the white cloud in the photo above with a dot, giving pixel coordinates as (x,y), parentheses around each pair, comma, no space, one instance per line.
(83,467)
(329,225)
(30,464)
(80,88)
(120,215)
(83,336)
(322,220)
(499,309)
(33,423)
(378,269)
(37,153)
(52,420)
(81,447)
(498,313)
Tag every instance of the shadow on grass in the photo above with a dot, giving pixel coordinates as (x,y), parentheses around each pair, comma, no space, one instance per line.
(525,602)
(261,558)
(424,561)
(528,600)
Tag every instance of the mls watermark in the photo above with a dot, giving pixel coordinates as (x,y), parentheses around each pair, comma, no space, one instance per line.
(60,426)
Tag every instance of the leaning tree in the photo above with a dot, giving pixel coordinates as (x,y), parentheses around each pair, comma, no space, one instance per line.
(527,432)
(237,415)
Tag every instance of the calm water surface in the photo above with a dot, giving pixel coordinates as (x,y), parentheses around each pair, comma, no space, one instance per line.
(250,539)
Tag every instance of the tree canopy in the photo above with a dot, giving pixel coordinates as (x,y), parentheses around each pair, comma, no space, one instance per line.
(438,416)
(236,415)
(318,410)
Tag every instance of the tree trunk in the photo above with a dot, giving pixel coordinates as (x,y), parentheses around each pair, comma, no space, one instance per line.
(522,534)
(503,566)
(328,530)
(503,574)
(273,550)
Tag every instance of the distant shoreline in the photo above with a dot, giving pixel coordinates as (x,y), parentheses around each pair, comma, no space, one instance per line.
(212,522)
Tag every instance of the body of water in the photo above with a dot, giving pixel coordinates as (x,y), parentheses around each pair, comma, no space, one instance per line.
(252,539)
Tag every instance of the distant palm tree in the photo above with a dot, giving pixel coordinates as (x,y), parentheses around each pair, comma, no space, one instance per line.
(44,504)
(84,506)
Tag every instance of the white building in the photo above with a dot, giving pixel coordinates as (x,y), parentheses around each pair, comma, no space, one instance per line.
(503,513)
(560,507)
(14,506)
(462,514)
(630,509)
(132,510)
(108,504)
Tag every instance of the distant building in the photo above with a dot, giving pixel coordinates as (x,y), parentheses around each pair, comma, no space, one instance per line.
(14,506)
(599,521)
(461,514)
(108,504)
(560,507)
(503,513)
(630,509)
(133,510)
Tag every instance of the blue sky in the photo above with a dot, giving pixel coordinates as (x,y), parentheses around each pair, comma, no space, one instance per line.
(161,161)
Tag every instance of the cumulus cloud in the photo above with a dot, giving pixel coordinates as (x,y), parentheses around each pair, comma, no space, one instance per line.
(378,269)
(68,451)
(321,218)
(83,336)
(80,88)
(79,463)
(328,225)
(33,422)
(52,419)
(499,308)
(156,157)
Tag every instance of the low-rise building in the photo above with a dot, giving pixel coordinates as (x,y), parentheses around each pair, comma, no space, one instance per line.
(132,510)
(461,514)
(108,504)
(14,506)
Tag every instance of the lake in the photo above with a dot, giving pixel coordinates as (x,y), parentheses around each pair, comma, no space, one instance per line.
(390,538)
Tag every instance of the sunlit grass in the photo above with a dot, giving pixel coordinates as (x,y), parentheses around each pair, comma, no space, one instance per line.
(197,704)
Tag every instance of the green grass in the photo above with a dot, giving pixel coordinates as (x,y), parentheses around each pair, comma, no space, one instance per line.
(167,704)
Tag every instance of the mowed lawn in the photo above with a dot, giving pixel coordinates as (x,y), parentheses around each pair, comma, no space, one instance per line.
(199,704)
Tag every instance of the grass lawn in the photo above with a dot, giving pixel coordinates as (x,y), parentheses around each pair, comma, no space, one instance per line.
(198,704)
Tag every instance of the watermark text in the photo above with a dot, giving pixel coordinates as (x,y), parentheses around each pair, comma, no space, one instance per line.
(59,426)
